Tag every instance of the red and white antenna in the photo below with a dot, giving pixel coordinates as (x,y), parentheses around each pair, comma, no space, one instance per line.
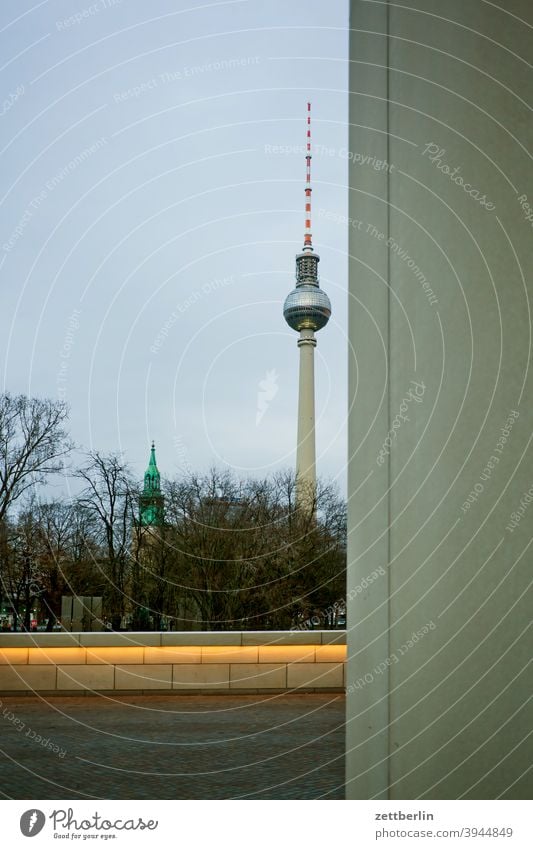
(308,243)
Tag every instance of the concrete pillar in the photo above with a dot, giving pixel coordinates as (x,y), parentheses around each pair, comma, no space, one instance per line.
(441,392)
(306,452)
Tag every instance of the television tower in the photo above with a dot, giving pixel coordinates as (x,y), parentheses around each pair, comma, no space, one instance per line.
(306,309)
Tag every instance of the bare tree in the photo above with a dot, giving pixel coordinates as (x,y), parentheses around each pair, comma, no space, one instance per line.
(230,554)
(109,498)
(22,578)
(247,557)
(54,530)
(83,570)
(211,533)
(152,588)
(33,444)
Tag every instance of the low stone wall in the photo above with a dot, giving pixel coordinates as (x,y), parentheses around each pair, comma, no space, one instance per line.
(171,662)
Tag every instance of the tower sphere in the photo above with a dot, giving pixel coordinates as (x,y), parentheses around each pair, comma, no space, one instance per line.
(307,307)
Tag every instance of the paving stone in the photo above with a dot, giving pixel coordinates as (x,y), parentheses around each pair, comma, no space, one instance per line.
(173,747)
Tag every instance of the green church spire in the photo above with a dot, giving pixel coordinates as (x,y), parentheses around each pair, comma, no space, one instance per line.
(151,501)
(152,478)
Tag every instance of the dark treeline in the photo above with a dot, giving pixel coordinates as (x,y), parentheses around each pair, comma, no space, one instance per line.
(227,554)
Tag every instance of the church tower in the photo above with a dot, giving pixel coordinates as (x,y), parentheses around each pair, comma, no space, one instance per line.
(151,500)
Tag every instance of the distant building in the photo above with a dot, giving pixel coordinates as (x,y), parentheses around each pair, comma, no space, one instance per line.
(82,613)
(151,500)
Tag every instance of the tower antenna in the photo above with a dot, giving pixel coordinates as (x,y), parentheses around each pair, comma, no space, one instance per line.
(308,240)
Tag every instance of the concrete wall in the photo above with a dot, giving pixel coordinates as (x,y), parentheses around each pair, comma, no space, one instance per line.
(440,324)
(190,662)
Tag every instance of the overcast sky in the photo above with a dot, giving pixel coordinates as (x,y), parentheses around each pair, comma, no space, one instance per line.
(149,226)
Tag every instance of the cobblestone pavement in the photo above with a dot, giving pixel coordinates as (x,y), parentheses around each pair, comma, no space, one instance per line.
(172,747)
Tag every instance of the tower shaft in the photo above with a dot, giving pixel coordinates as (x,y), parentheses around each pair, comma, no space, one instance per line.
(305,450)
